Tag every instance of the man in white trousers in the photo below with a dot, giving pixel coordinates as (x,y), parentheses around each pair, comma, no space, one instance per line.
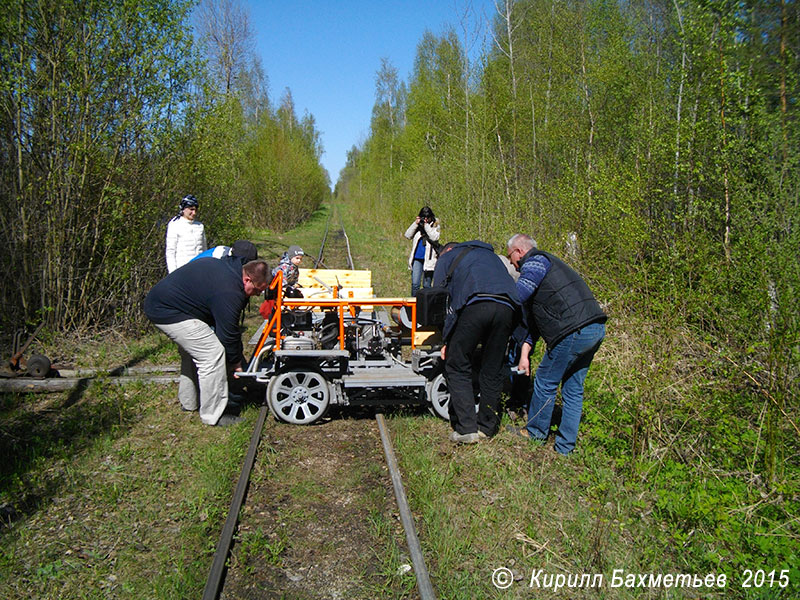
(198,307)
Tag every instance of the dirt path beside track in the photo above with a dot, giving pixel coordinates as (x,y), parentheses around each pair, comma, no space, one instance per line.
(320,519)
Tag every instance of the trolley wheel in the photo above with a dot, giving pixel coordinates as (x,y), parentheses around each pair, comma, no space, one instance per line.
(38,365)
(298,397)
(438,396)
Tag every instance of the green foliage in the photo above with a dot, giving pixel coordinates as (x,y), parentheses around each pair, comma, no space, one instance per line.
(662,138)
(109,117)
(284,182)
(724,523)
(88,89)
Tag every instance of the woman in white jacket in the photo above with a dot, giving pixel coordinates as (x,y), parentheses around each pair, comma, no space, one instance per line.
(424,235)
(186,236)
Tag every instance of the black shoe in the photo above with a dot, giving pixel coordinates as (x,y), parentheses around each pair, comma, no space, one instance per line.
(232,408)
(236,398)
(226,420)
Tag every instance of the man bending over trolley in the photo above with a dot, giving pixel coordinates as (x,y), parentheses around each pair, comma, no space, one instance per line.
(198,308)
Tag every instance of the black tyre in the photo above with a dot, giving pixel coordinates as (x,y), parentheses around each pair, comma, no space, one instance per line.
(38,365)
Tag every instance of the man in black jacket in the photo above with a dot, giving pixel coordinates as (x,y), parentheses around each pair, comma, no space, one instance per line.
(198,307)
(483,302)
(559,307)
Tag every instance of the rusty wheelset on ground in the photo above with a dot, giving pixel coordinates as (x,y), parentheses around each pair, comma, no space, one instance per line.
(37,365)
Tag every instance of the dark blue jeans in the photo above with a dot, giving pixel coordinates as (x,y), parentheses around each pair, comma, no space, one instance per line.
(567,364)
(419,278)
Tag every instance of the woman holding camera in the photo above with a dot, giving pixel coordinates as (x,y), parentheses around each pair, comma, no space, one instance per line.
(424,235)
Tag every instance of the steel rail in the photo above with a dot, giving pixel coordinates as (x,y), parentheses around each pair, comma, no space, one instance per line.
(217,574)
(346,241)
(417,559)
(324,239)
(424,584)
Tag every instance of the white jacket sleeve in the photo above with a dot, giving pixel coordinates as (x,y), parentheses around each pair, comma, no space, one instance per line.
(172,246)
(203,243)
(433,231)
(412,229)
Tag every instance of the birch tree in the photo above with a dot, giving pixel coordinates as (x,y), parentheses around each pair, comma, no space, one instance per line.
(87,91)
(228,37)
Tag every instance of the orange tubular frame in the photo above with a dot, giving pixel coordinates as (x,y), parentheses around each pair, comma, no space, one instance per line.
(340,304)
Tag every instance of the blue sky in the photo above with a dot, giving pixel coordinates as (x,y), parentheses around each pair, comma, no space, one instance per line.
(328,53)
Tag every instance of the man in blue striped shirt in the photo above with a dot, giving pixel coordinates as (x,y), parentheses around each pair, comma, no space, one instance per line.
(559,307)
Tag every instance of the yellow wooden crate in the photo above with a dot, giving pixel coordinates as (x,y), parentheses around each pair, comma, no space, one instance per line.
(427,336)
(355,284)
(321,293)
(335,277)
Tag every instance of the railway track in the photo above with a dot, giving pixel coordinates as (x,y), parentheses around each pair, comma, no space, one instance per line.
(316,539)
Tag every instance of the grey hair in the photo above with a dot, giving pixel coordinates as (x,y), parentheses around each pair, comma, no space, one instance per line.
(522,241)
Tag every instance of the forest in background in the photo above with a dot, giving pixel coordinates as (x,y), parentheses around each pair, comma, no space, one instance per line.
(655,145)
(110,113)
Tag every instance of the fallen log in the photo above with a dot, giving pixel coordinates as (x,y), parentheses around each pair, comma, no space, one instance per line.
(63,384)
(116,371)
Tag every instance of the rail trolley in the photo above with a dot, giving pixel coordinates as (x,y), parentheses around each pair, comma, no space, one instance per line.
(316,351)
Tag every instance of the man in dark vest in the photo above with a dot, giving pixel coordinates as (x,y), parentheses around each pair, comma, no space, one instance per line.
(483,302)
(560,308)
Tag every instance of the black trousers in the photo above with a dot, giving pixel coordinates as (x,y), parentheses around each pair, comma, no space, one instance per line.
(488,324)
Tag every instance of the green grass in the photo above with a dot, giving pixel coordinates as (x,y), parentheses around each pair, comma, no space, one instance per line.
(256,546)
(118,494)
(393,563)
(666,479)
(115,492)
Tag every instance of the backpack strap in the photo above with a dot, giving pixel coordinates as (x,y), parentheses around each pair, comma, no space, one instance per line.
(454,264)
